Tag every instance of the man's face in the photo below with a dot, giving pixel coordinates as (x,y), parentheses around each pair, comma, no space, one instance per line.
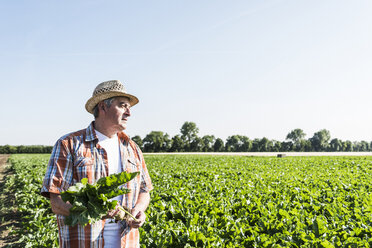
(116,115)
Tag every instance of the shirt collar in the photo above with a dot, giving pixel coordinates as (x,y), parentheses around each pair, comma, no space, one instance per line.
(123,137)
(90,134)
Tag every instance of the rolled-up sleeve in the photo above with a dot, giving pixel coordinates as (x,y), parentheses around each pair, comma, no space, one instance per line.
(59,173)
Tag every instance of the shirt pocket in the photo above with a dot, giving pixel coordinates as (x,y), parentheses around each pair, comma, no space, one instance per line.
(84,168)
(83,161)
(133,165)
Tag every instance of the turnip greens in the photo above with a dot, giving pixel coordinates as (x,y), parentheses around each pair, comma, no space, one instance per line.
(91,202)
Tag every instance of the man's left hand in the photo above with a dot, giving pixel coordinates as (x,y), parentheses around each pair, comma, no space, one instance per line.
(140,216)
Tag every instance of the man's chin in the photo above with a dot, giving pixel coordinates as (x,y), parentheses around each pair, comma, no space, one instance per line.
(120,127)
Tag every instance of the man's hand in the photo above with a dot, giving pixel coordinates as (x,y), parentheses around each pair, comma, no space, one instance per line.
(140,216)
(139,210)
(111,213)
(58,205)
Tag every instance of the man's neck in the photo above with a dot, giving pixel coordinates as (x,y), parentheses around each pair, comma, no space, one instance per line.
(100,127)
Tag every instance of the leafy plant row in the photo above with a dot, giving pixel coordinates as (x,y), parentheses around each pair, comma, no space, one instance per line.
(39,227)
(217,201)
(259,202)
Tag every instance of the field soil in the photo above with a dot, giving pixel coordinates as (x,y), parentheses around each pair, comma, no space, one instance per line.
(3,160)
(9,219)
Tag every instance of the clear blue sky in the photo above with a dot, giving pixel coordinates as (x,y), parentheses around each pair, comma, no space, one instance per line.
(255,68)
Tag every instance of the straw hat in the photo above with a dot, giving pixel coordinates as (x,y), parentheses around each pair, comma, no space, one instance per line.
(107,90)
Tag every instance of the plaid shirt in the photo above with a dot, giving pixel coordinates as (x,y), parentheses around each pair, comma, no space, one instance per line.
(78,155)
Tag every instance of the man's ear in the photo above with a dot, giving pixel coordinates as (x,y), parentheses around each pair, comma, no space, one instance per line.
(102,106)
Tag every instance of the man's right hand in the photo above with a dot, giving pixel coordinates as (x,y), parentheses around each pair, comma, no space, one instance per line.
(111,213)
(58,205)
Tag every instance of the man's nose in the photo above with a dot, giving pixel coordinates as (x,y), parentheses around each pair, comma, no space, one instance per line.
(127,112)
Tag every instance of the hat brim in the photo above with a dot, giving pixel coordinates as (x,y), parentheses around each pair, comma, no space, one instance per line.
(94,100)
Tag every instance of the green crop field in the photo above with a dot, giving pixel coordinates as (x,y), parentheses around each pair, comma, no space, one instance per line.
(229,201)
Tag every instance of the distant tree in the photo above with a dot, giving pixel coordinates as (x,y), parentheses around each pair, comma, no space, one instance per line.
(196,145)
(48,149)
(246,144)
(271,146)
(276,146)
(238,143)
(347,146)
(208,142)
(305,146)
(156,141)
(286,146)
(233,143)
(366,146)
(255,145)
(137,139)
(361,146)
(5,149)
(167,143)
(335,145)
(320,140)
(189,132)
(177,144)
(218,145)
(8,149)
(296,136)
(21,149)
(263,145)
(12,149)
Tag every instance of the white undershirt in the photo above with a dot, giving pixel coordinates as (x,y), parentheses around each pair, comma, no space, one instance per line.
(112,230)
(111,146)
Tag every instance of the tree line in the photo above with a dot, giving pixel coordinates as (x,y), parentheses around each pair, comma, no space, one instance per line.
(189,141)
(9,149)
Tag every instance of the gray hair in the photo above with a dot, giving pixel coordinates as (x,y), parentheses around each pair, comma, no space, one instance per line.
(107,102)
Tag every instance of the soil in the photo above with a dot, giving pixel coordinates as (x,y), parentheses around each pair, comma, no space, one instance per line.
(9,219)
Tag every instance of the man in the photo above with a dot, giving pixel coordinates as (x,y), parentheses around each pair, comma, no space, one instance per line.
(98,151)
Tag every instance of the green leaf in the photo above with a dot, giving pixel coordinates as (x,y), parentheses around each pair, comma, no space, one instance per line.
(84,181)
(90,202)
(116,180)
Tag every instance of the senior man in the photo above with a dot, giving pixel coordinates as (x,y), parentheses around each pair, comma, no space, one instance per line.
(98,151)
